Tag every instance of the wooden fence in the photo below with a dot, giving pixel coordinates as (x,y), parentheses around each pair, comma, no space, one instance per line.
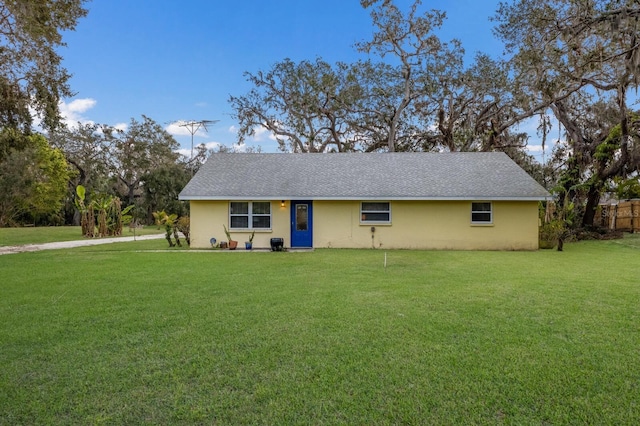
(624,216)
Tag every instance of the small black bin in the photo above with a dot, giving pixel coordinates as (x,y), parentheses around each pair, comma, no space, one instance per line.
(277,244)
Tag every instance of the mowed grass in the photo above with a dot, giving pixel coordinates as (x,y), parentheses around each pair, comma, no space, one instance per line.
(50,234)
(112,335)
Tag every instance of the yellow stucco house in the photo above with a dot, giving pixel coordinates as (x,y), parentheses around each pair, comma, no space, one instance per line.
(462,201)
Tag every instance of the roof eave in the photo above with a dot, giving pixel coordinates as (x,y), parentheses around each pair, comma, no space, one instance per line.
(362,198)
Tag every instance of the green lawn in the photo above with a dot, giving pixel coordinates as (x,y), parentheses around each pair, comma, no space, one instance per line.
(49,234)
(107,334)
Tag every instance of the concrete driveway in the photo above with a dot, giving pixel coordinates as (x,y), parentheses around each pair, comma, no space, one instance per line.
(72,244)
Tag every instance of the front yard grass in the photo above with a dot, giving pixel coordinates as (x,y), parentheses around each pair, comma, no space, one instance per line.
(111,335)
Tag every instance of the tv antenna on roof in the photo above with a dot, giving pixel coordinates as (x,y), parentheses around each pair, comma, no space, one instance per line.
(193,126)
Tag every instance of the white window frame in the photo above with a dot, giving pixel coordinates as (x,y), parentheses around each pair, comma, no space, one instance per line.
(490,212)
(250,215)
(363,211)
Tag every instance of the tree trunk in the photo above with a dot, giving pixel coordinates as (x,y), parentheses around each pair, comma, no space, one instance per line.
(131,194)
(391,142)
(593,198)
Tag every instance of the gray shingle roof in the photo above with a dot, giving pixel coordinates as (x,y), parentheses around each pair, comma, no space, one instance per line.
(357,176)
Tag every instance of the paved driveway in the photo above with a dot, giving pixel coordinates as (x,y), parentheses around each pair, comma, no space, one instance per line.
(72,244)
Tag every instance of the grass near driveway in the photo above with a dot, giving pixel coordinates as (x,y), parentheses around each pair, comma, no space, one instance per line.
(50,234)
(110,335)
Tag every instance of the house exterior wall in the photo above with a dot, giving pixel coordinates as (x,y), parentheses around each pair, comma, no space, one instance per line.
(428,225)
(207,218)
(414,225)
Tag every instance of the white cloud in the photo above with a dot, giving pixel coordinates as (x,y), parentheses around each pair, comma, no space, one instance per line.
(77,105)
(184,152)
(72,112)
(119,126)
(209,145)
(262,134)
(537,151)
(212,145)
(549,146)
(179,128)
(239,148)
(534,148)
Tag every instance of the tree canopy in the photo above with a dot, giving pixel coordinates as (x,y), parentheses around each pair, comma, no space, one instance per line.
(145,146)
(581,60)
(31,72)
(567,61)
(571,62)
(140,164)
(33,182)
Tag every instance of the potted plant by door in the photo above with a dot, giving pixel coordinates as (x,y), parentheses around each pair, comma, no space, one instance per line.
(232,244)
(248,245)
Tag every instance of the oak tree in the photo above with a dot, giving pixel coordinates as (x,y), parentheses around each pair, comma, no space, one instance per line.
(410,40)
(303,105)
(580,59)
(137,151)
(31,73)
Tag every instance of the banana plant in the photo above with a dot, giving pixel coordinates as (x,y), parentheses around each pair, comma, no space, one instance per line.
(87,218)
(102,203)
(169,223)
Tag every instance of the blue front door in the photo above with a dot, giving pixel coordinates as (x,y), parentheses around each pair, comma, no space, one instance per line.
(301,224)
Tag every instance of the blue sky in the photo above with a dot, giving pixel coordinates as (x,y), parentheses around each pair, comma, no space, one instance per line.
(174,60)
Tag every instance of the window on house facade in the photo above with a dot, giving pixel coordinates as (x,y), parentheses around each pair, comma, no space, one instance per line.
(250,215)
(481,213)
(375,212)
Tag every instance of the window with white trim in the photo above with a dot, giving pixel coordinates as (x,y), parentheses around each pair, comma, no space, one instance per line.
(481,213)
(375,212)
(250,215)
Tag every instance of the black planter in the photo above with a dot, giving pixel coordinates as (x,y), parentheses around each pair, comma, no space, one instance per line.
(277,244)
